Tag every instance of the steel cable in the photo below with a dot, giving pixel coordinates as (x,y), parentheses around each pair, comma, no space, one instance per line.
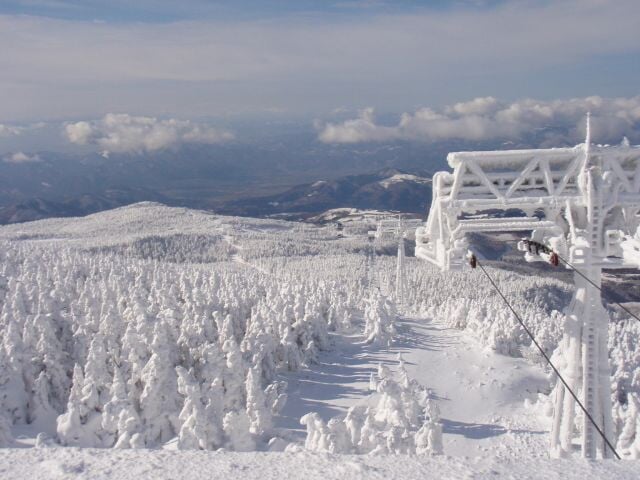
(553,367)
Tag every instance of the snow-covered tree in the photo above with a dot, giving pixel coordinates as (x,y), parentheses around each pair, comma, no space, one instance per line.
(257,410)
(379,321)
(120,420)
(71,430)
(193,429)
(159,399)
(399,418)
(237,426)
(6,438)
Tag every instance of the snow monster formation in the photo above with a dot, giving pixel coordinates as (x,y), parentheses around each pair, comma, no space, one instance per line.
(400,417)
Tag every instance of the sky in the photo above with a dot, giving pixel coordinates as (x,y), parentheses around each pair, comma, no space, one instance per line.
(185,71)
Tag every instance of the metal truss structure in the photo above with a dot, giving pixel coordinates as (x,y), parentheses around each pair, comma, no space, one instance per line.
(584,203)
(394,228)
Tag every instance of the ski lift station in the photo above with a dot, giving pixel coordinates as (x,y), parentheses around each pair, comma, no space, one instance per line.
(582,206)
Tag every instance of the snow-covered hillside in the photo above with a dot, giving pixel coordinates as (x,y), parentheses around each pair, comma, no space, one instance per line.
(167,328)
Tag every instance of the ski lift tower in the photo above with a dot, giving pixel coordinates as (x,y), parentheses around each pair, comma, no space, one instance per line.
(583,203)
(394,228)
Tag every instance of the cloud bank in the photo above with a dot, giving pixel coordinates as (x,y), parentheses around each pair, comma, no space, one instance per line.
(486,118)
(310,63)
(121,132)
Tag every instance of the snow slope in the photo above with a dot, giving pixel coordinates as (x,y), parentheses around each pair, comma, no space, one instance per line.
(293,320)
(52,464)
(481,395)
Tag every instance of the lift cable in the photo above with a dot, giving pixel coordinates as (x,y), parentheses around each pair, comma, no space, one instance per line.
(597,286)
(543,248)
(546,357)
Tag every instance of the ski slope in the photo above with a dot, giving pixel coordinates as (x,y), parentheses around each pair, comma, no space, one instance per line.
(481,395)
(132,298)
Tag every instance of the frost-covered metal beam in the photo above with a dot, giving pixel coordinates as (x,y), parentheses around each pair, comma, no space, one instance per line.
(550,181)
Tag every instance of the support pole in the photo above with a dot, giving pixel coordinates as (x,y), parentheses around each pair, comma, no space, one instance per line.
(400,277)
(590,380)
(585,350)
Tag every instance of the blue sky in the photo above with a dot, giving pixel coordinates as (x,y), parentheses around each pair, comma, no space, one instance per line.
(79,60)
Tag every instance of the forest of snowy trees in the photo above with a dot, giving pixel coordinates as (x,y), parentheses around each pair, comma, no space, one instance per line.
(143,338)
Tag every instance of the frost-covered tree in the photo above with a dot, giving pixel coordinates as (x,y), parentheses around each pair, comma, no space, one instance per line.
(400,418)
(233,377)
(53,359)
(134,357)
(257,410)
(193,428)
(95,392)
(237,426)
(71,430)
(6,438)
(13,389)
(120,420)
(159,399)
(209,370)
(41,413)
(379,321)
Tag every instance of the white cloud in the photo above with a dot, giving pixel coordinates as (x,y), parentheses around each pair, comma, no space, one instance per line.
(10,131)
(477,106)
(489,119)
(20,157)
(121,132)
(361,129)
(79,132)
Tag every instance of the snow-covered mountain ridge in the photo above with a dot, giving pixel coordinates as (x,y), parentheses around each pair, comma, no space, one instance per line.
(157,327)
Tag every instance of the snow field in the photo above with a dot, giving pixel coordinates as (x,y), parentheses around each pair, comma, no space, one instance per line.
(98,464)
(150,326)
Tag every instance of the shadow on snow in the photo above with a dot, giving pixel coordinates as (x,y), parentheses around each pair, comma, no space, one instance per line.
(340,377)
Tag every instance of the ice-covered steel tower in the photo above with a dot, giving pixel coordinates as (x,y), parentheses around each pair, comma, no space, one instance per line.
(396,229)
(584,203)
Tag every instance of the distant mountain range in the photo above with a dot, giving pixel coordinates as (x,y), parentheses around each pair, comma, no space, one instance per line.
(387,189)
(287,176)
(242,179)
